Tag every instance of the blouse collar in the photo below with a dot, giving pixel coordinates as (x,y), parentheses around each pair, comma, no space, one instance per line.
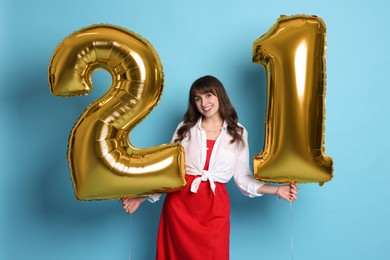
(199,124)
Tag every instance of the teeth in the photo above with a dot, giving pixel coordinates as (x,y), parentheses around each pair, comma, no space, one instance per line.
(207,108)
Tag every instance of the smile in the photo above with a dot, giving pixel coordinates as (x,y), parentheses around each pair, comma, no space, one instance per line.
(206,109)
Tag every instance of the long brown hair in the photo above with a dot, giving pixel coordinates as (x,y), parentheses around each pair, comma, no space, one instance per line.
(210,84)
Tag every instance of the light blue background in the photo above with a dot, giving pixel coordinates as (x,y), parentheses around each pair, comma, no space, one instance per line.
(347,218)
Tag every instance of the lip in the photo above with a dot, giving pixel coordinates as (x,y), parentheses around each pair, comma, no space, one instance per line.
(207,109)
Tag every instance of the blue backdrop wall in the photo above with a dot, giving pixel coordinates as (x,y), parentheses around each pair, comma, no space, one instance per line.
(344,219)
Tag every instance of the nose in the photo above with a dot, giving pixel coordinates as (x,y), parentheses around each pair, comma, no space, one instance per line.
(202,101)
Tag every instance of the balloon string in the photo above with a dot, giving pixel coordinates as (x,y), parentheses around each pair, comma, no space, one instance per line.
(131,223)
(291,232)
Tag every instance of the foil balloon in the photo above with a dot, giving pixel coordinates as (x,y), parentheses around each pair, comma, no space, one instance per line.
(103,163)
(293,54)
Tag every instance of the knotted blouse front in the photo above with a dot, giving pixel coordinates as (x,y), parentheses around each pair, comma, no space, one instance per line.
(227,160)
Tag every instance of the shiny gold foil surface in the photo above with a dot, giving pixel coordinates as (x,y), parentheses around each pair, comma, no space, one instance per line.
(103,162)
(293,54)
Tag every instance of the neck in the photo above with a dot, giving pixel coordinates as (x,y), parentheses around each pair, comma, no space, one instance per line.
(212,123)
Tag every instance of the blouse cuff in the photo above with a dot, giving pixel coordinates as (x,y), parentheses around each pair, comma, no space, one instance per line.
(253,187)
(154,197)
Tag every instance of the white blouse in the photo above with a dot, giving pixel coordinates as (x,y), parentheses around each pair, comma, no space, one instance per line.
(227,160)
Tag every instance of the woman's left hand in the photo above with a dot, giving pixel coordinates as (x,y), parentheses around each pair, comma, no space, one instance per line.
(288,192)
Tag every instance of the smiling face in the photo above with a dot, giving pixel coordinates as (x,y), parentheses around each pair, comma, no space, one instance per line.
(207,104)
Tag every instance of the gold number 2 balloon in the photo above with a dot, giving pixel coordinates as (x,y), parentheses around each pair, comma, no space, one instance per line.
(293,54)
(102,161)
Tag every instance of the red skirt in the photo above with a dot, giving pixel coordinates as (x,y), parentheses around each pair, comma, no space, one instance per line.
(195,225)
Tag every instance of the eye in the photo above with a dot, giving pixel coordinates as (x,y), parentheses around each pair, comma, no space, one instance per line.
(196,99)
(208,95)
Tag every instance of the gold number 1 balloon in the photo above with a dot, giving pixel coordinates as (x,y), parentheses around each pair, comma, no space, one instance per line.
(102,161)
(293,54)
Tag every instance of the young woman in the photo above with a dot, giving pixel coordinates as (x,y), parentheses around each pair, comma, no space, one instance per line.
(194,222)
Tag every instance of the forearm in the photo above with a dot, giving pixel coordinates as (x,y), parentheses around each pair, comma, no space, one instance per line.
(268,189)
(287,192)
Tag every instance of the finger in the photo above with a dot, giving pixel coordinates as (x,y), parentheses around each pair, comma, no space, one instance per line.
(128,205)
(287,197)
(293,187)
(129,209)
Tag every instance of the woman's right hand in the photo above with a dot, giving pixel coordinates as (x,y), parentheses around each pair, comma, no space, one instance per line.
(130,205)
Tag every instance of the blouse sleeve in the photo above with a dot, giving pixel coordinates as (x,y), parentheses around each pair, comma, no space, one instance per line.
(243,176)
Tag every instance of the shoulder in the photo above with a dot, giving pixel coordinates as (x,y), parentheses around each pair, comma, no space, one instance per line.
(245,132)
(180,125)
(239,124)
